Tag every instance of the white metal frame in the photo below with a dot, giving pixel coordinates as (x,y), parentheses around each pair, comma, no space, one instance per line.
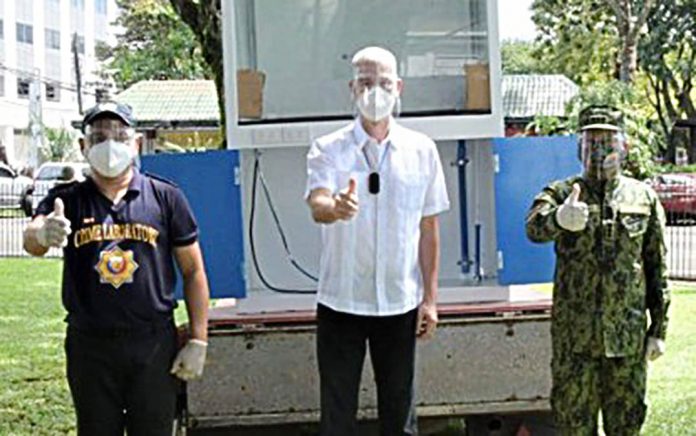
(452,127)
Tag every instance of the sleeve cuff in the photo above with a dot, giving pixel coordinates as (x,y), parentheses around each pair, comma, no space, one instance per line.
(435,209)
(186,240)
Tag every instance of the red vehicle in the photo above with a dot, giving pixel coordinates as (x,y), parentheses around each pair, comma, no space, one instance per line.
(677,192)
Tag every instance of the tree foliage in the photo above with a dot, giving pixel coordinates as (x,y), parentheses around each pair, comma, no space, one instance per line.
(576,38)
(548,125)
(668,55)
(155,44)
(60,145)
(590,40)
(204,19)
(520,57)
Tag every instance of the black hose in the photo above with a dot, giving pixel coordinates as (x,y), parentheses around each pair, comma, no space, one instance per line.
(252,245)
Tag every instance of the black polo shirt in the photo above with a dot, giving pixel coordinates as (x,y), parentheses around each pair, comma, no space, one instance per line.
(118,269)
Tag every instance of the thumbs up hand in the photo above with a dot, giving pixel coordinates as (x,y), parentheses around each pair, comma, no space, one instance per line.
(56,228)
(346,201)
(573,213)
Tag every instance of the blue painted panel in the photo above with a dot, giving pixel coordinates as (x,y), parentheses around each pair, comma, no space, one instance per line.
(208,180)
(526,165)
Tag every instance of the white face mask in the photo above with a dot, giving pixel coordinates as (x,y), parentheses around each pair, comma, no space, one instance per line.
(110,158)
(376,103)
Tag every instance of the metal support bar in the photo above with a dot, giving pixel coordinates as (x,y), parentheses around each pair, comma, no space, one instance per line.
(462,160)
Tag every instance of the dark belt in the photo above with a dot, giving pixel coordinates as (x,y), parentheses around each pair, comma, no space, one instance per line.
(120,332)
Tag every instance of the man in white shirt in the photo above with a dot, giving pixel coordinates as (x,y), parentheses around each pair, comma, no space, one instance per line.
(377,188)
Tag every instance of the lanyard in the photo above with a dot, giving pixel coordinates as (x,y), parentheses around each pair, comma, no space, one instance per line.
(373,182)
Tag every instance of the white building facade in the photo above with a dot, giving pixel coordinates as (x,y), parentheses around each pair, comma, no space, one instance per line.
(38,41)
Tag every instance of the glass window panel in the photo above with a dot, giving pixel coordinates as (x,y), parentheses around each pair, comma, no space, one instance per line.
(294,57)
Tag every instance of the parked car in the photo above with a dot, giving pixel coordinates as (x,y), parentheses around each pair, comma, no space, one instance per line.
(14,190)
(50,174)
(677,193)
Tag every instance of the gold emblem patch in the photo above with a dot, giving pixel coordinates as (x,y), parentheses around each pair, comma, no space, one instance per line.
(116,266)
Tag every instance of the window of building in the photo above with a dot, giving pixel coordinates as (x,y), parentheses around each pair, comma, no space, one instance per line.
(100,6)
(53,39)
(52,92)
(2,85)
(23,87)
(25,33)
(2,28)
(78,4)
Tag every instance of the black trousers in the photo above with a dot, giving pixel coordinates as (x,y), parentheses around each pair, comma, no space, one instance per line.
(341,345)
(122,382)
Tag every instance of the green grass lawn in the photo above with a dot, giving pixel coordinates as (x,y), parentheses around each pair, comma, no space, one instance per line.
(34,397)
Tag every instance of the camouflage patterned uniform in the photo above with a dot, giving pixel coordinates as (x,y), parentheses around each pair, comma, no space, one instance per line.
(606,276)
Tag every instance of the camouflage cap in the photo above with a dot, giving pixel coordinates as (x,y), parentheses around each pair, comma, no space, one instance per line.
(600,118)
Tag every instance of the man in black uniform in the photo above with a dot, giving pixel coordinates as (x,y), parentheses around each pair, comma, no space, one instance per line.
(121,231)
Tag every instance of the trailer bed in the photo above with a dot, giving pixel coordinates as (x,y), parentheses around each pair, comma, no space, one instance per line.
(487,357)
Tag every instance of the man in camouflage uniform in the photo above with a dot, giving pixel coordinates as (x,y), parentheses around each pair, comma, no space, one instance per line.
(610,268)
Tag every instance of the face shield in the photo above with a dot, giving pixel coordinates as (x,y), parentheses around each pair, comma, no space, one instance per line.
(110,147)
(602,151)
(375,95)
(366,81)
(107,129)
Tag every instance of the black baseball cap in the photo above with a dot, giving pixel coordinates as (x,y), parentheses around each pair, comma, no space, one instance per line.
(119,110)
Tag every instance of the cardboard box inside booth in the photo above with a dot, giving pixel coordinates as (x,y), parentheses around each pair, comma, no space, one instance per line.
(250,93)
(478,89)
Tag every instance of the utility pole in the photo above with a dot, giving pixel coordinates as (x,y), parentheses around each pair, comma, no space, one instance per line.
(35,118)
(78,75)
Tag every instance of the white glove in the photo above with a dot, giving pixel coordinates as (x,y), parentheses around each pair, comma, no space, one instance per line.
(55,228)
(654,348)
(573,213)
(190,360)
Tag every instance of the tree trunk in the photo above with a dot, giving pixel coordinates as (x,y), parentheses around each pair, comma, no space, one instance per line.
(692,145)
(628,60)
(630,19)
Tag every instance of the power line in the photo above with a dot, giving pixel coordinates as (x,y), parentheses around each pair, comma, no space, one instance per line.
(45,79)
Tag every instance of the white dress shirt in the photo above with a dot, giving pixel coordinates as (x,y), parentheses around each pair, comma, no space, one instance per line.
(369,264)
